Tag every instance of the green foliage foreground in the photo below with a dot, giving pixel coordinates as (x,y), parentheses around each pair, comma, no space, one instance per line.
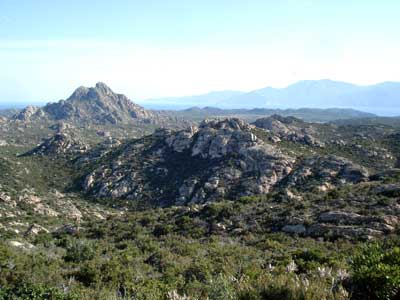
(150,255)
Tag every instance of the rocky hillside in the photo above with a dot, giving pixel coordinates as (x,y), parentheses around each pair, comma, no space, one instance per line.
(219,159)
(295,166)
(215,160)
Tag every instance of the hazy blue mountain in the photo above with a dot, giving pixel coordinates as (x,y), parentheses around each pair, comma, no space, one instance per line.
(379,98)
(250,115)
(383,98)
(209,99)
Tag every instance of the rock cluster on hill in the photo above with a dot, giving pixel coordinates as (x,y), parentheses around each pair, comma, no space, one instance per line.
(289,128)
(218,159)
(60,143)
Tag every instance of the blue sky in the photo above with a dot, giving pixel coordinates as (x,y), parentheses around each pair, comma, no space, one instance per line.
(171,48)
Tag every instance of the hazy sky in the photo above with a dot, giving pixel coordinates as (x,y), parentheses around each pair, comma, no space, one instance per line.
(159,48)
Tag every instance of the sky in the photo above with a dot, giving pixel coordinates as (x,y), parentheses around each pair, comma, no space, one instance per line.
(154,48)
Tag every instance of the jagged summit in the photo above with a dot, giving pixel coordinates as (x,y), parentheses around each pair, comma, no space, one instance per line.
(97,104)
(100,90)
(79,92)
(102,86)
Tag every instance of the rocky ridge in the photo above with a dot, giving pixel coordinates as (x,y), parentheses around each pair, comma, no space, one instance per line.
(218,159)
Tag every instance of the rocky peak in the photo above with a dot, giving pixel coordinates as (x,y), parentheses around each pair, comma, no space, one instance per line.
(97,104)
(79,93)
(100,104)
(103,88)
(101,91)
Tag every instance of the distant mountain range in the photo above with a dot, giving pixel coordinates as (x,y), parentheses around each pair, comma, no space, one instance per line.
(383,98)
(100,105)
(250,115)
(209,99)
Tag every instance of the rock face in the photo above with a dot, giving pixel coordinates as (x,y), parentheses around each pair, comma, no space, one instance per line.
(325,172)
(289,128)
(97,104)
(37,204)
(60,143)
(345,224)
(389,190)
(29,113)
(220,158)
(348,224)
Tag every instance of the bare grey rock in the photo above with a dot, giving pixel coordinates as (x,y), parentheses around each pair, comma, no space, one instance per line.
(60,143)
(390,190)
(294,229)
(341,217)
(324,172)
(223,158)
(290,129)
(29,113)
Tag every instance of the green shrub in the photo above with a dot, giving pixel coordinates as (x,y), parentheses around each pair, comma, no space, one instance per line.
(26,292)
(376,272)
(79,251)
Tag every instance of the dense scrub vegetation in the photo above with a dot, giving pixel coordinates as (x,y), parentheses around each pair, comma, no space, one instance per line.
(164,254)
